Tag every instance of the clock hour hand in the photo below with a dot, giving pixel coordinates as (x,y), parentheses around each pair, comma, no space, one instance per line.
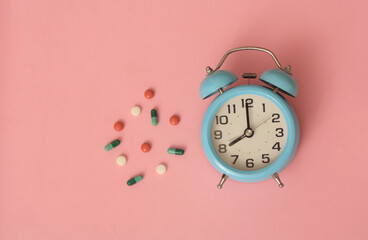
(237,140)
(247,133)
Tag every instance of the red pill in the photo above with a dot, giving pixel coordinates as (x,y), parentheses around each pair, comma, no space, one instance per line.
(149,94)
(118,126)
(174,120)
(145,147)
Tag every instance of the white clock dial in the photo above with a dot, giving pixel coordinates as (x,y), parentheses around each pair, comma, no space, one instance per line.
(251,150)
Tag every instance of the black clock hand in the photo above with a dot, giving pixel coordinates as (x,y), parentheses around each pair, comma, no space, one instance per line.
(237,140)
(247,115)
(247,133)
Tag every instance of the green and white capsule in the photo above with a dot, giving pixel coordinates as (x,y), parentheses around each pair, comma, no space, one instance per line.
(111,145)
(134,180)
(175,151)
(154,117)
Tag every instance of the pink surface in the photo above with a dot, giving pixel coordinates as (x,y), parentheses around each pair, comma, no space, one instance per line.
(70,69)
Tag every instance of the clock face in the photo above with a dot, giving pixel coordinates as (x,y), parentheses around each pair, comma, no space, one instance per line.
(261,144)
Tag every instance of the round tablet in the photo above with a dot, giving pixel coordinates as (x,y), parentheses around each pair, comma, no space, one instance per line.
(161,169)
(135,111)
(146,147)
(121,160)
(118,126)
(149,94)
(174,120)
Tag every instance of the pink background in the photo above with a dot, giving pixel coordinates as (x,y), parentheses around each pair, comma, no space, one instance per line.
(69,69)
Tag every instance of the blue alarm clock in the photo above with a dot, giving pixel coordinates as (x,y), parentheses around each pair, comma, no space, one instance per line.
(249,133)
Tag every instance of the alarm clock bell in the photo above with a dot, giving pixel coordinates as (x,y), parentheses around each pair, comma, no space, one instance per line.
(215,82)
(279,79)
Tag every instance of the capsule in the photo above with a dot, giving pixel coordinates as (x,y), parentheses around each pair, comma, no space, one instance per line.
(154,117)
(111,145)
(175,151)
(134,180)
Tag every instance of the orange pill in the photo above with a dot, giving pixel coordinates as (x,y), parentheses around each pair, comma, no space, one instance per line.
(174,120)
(118,126)
(149,94)
(146,147)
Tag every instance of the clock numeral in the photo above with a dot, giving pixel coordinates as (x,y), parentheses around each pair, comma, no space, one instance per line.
(264,107)
(277,146)
(279,132)
(236,158)
(229,108)
(275,118)
(222,148)
(222,119)
(218,134)
(266,158)
(249,163)
(248,101)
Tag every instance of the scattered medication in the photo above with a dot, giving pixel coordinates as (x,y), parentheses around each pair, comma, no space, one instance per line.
(146,147)
(149,94)
(118,126)
(154,117)
(134,180)
(161,169)
(175,151)
(135,111)
(174,120)
(121,160)
(111,145)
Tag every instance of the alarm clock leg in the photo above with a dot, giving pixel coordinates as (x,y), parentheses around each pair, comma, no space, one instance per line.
(222,181)
(277,179)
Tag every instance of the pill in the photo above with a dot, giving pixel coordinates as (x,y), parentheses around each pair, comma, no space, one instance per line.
(154,117)
(174,120)
(112,144)
(118,126)
(146,147)
(134,180)
(121,160)
(161,169)
(175,151)
(135,111)
(149,94)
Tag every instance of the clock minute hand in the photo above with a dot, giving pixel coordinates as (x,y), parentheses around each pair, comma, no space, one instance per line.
(247,115)
(248,131)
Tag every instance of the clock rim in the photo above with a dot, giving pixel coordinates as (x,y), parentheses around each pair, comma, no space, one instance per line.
(291,143)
